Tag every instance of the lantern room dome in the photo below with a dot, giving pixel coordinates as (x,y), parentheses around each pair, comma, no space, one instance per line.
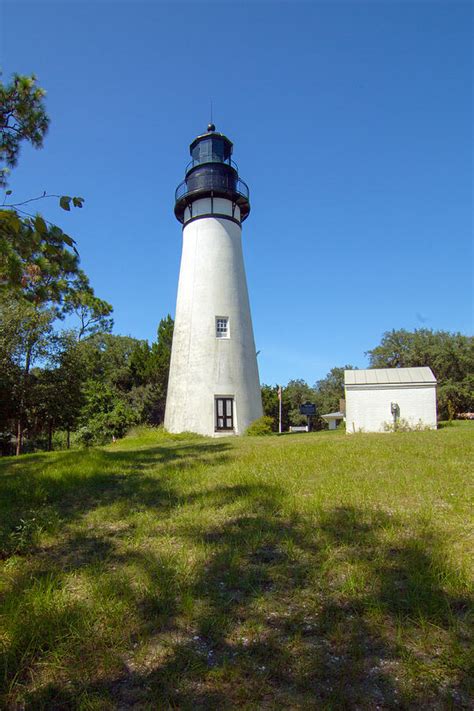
(211,172)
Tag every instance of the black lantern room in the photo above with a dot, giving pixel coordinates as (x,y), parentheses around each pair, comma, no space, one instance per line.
(211,173)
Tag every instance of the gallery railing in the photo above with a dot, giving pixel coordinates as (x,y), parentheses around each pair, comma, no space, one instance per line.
(218,182)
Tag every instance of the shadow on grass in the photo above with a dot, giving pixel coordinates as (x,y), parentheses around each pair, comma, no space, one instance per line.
(316,644)
(40,493)
(285,612)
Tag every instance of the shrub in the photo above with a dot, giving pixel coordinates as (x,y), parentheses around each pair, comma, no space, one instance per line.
(260,427)
(105,415)
(405,426)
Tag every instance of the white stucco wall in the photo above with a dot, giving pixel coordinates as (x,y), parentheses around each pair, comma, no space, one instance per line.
(212,283)
(368,407)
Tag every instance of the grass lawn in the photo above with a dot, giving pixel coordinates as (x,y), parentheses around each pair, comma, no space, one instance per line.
(313,571)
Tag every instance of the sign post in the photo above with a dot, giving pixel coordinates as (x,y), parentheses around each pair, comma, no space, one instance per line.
(279,409)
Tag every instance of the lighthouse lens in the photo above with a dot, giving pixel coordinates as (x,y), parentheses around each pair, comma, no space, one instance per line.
(210,150)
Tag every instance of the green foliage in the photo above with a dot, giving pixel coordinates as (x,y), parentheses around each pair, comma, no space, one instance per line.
(34,258)
(126,382)
(455,397)
(105,415)
(40,281)
(28,531)
(51,285)
(150,366)
(402,425)
(65,202)
(449,355)
(330,390)
(15,322)
(270,404)
(263,426)
(93,313)
(22,118)
(144,401)
(325,395)
(294,394)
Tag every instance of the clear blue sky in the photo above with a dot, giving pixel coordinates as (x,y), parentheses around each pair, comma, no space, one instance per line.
(351,122)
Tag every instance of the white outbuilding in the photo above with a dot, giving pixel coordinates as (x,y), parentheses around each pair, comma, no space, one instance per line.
(333,419)
(378,397)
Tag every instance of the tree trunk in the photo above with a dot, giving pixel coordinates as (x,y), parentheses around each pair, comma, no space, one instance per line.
(50,436)
(68,438)
(19,436)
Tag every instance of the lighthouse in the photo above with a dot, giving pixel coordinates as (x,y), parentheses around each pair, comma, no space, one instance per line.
(213,386)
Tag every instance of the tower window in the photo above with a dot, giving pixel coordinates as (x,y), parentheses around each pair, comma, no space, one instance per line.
(224,413)
(222,327)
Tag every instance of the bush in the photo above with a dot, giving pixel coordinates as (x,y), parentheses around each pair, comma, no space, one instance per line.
(262,426)
(405,426)
(104,416)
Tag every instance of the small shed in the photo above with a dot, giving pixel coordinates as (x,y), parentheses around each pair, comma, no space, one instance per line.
(377,398)
(333,419)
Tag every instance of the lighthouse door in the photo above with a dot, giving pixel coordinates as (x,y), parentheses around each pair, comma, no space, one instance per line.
(224,413)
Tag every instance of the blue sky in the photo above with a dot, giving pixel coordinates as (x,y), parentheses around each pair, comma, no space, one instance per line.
(351,123)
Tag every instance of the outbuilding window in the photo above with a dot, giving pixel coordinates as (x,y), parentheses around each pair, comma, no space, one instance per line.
(222,327)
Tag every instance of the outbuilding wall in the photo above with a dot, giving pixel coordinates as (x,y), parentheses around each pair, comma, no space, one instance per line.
(368,407)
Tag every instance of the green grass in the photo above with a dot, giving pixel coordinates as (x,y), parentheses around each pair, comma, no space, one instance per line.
(306,571)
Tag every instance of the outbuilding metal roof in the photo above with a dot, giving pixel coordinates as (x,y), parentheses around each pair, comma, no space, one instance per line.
(388,376)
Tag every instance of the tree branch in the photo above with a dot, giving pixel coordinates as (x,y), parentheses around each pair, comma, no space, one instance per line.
(25,202)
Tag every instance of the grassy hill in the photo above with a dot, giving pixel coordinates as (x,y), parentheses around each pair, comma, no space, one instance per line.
(302,571)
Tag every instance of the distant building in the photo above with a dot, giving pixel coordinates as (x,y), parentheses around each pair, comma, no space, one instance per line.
(333,419)
(377,398)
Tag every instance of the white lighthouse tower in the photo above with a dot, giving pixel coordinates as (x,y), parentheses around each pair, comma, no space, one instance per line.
(213,386)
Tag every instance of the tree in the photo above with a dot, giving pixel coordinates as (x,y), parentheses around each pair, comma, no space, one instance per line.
(93,313)
(150,367)
(330,390)
(39,263)
(14,317)
(58,388)
(294,394)
(160,356)
(22,118)
(26,240)
(56,279)
(28,248)
(45,403)
(105,414)
(33,328)
(271,405)
(449,355)
(108,357)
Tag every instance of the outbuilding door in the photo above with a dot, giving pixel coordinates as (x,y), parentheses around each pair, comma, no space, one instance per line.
(224,413)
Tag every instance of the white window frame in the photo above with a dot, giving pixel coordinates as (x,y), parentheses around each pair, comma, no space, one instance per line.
(220,333)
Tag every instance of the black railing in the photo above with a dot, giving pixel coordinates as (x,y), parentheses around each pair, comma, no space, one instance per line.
(218,183)
(202,161)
